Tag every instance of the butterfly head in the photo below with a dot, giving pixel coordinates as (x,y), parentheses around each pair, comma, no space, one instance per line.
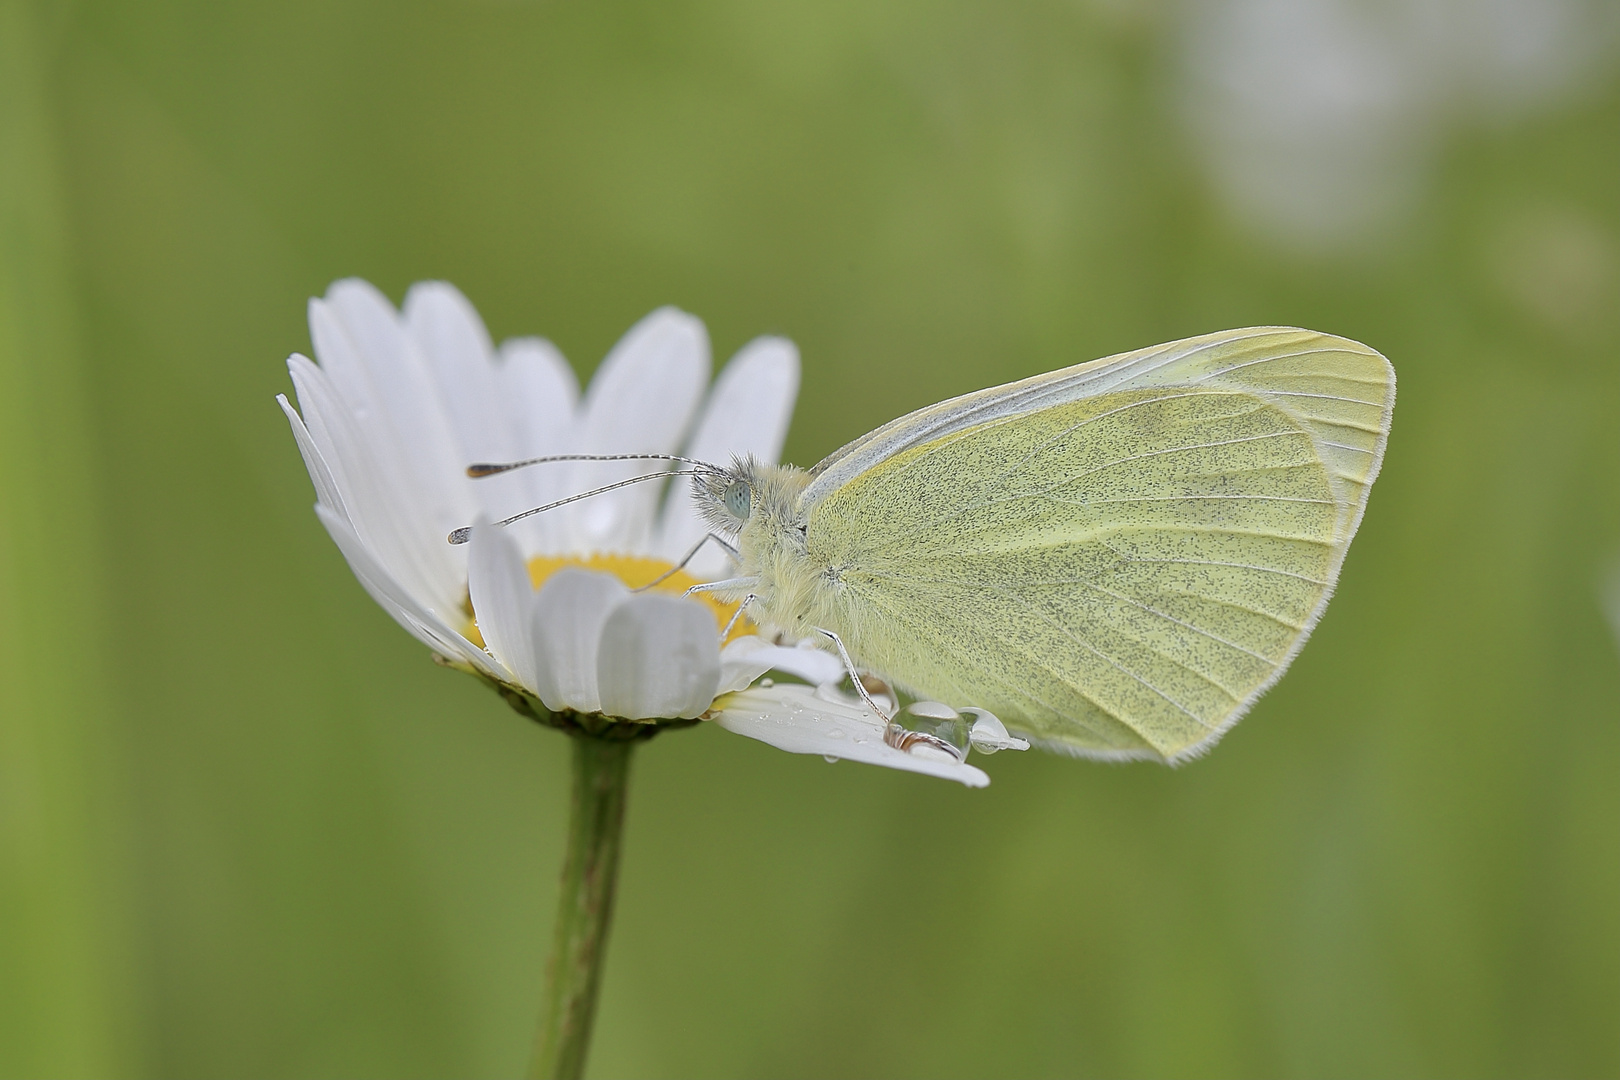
(725,497)
(729,499)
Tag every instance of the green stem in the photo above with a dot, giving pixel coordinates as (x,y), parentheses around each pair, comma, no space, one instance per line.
(584,907)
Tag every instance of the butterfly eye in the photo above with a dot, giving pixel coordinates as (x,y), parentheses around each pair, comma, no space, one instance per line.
(739,499)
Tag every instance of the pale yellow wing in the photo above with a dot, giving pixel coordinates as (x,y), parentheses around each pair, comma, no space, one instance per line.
(1341,391)
(1115,575)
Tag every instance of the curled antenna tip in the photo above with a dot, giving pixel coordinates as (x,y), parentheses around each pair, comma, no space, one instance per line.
(462,535)
(475,471)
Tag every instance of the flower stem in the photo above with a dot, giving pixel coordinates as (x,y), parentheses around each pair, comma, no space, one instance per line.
(584,907)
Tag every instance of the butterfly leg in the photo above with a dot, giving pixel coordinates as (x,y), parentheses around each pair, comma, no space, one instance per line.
(735,615)
(854,676)
(728,583)
(691,552)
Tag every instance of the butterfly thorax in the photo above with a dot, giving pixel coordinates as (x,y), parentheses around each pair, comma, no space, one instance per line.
(771,543)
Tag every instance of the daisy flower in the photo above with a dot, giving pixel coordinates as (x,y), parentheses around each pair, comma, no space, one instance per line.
(550,609)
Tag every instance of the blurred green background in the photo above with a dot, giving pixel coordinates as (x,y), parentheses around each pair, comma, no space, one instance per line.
(248,829)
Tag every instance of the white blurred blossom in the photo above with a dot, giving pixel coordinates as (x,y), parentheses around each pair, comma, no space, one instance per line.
(1319,119)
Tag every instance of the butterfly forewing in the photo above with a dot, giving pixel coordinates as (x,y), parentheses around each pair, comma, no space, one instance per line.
(1118,574)
(1339,390)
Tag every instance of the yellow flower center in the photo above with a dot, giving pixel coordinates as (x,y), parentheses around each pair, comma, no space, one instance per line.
(635,571)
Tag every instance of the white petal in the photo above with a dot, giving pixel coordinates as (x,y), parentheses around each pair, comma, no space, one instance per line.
(392,398)
(502,599)
(748,657)
(660,657)
(537,392)
(497,408)
(567,620)
(320,473)
(431,570)
(751,404)
(747,413)
(340,358)
(794,719)
(420,621)
(452,341)
(537,372)
(640,401)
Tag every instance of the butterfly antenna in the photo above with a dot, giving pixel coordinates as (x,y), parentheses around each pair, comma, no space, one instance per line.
(463,534)
(493,469)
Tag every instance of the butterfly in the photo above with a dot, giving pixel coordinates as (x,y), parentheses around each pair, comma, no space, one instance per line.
(1117,558)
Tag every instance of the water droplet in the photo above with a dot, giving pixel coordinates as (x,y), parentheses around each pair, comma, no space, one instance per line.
(917,729)
(990,735)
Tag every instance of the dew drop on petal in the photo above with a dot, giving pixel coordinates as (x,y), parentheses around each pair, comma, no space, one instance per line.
(931,730)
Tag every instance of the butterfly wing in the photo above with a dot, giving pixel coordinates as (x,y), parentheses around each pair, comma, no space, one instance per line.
(1121,560)
(1341,391)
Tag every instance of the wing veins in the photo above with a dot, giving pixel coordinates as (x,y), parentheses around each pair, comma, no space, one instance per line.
(1121,668)
(1088,583)
(1287,356)
(1235,566)
(1351,424)
(1208,346)
(930,447)
(1071,429)
(1229,531)
(1299,375)
(1040,392)
(1127,672)
(1222,531)
(1046,493)
(1195,629)
(1298,628)
(1184,498)
(1181,450)
(898,614)
(1325,397)
(1126,376)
